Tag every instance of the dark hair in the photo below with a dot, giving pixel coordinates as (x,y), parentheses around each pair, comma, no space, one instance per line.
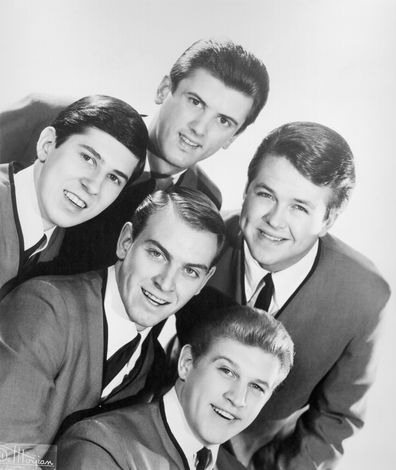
(230,63)
(192,206)
(110,115)
(212,316)
(317,152)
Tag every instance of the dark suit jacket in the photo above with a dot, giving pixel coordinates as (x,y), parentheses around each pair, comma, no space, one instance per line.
(333,318)
(52,351)
(91,245)
(12,263)
(134,438)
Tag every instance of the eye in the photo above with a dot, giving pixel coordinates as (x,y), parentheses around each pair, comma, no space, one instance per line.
(154,253)
(227,371)
(300,208)
(114,178)
(191,272)
(264,194)
(90,160)
(257,388)
(194,101)
(224,121)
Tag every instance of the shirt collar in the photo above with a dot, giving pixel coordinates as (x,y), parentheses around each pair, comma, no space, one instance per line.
(285,281)
(121,329)
(182,432)
(28,209)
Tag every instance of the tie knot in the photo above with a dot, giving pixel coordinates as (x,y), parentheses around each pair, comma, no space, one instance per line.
(203,459)
(264,298)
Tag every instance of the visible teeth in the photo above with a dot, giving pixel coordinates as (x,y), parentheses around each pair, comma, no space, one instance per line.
(270,237)
(223,413)
(153,298)
(188,141)
(75,199)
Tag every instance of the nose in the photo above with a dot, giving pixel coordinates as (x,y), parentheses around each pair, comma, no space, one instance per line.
(276,217)
(92,183)
(237,394)
(199,124)
(165,279)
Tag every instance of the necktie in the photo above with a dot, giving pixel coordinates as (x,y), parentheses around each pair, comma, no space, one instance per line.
(263,300)
(118,360)
(28,253)
(163,182)
(204,456)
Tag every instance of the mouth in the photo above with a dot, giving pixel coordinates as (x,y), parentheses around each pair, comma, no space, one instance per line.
(74,199)
(153,299)
(188,142)
(271,238)
(224,414)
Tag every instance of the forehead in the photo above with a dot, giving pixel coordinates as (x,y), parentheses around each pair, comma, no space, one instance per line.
(181,240)
(251,362)
(215,93)
(278,174)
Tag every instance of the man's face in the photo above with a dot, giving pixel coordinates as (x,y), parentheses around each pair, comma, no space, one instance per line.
(80,178)
(283,214)
(224,390)
(195,121)
(163,267)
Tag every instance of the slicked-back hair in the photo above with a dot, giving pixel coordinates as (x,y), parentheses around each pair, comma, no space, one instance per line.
(108,114)
(229,63)
(317,152)
(244,324)
(192,206)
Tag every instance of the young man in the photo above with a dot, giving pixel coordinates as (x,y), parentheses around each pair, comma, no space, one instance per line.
(213,92)
(233,360)
(279,257)
(84,160)
(63,337)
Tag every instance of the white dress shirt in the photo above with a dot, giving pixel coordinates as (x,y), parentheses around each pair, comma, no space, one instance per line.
(182,431)
(120,329)
(285,281)
(28,210)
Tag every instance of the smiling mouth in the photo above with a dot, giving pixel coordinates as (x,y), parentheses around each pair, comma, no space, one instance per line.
(153,298)
(271,238)
(185,140)
(74,199)
(224,414)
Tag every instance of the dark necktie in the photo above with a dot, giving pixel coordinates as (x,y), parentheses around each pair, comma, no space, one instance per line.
(118,360)
(263,300)
(204,456)
(160,181)
(28,257)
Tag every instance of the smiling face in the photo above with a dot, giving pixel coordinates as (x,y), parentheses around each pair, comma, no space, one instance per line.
(164,267)
(195,121)
(223,391)
(80,178)
(283,214)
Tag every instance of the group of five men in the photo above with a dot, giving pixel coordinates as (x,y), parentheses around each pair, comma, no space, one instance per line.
(97,255)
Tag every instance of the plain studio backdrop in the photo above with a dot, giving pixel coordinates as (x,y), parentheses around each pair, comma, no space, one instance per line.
(330,61)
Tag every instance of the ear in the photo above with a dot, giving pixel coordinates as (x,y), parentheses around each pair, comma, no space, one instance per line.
(229,141)
(46,143)
(185,362)
(208,275)
(329,221)
(125,240)
(163,90)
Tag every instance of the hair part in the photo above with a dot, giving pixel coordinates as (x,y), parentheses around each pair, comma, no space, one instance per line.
(317,152)
(108,114)
(230,63)
(191,205)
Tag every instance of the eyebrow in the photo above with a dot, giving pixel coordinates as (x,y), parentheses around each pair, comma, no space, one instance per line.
(227,359)
(298,201)
(99,157)
(204,267)
(205,104)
